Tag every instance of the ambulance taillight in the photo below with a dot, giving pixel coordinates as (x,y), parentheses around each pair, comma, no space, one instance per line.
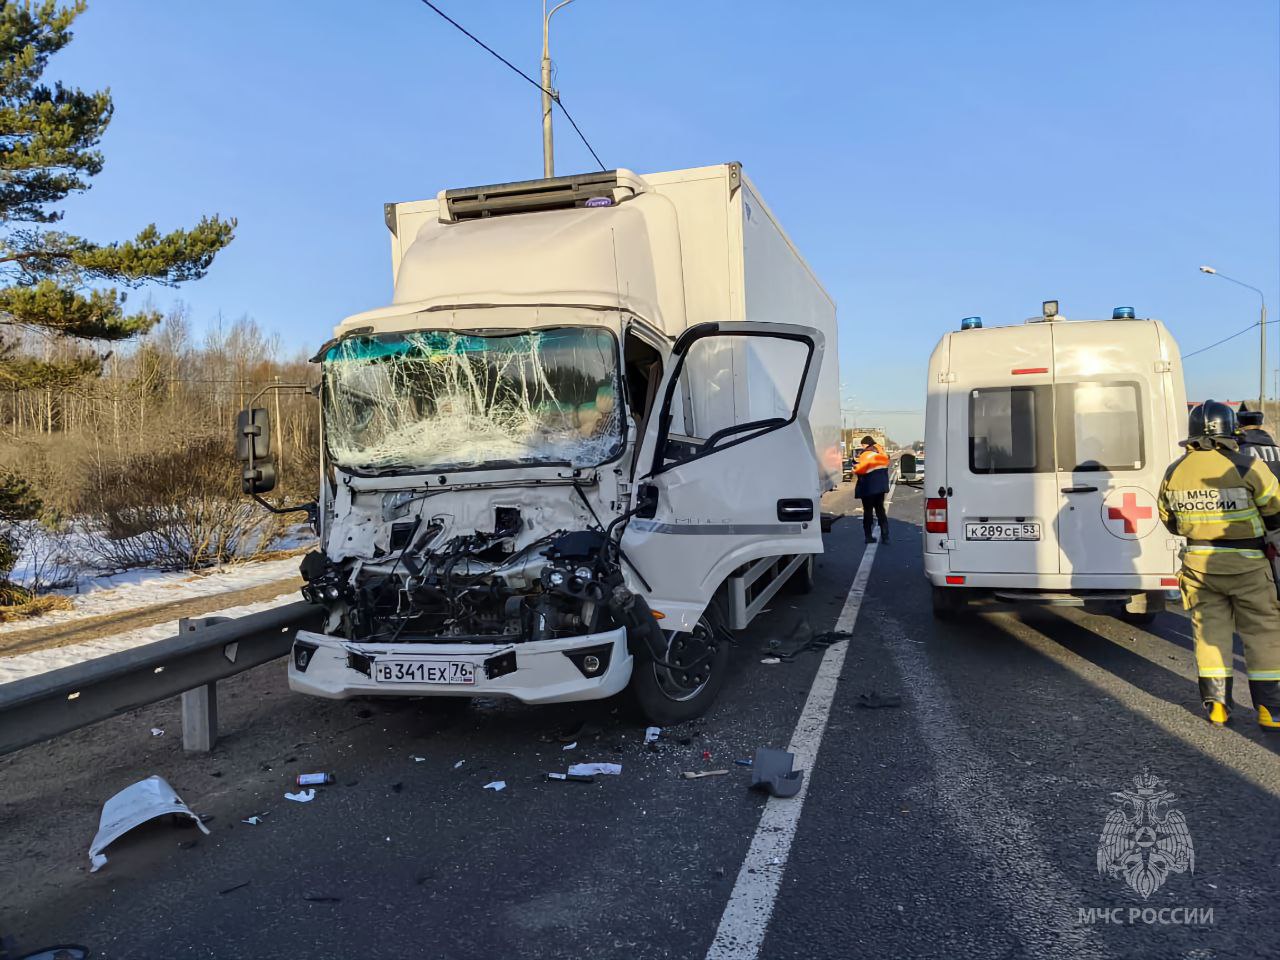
(935,515)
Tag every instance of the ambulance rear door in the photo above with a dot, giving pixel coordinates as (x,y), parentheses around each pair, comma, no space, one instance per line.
(1112,426)
(1003,491)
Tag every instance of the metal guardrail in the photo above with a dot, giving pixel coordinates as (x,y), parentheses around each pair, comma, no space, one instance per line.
(206,650)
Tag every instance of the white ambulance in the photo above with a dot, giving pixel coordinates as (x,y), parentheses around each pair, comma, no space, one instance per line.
(1047,444)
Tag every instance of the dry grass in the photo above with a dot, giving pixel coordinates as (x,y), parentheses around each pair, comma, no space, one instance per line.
(34,607)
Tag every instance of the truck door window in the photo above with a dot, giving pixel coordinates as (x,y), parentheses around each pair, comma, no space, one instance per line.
(1100,426)
(1011,430)
(731,388)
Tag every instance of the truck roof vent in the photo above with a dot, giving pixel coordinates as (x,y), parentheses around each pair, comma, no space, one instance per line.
(529,196)
(1122,313)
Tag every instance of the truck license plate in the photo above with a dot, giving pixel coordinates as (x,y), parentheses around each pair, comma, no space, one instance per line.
(1002,531)
(424,671)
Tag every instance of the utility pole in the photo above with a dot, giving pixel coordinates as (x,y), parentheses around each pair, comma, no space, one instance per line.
(548,147)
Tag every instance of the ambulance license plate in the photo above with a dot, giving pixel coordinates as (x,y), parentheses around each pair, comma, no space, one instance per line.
(1002,531)
(424,671)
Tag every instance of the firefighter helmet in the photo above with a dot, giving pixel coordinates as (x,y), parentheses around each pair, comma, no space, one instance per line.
(1212,419)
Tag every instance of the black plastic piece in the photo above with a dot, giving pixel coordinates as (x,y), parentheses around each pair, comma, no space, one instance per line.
(500,665)
(360,664)
(771,772)
(578,545)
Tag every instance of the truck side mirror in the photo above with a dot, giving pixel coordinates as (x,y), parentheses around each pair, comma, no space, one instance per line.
(253,435)
(259,478)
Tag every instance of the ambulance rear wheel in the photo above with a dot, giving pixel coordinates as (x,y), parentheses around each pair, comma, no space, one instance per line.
(947,602)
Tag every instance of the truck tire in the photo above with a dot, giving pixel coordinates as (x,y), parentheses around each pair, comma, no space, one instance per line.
(947,602)
(802,580)
(666,695)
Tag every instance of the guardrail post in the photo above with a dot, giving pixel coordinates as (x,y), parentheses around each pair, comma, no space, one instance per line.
(199,706)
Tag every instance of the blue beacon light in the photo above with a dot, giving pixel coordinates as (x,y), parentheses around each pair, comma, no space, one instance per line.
(971,323)
(1122,313)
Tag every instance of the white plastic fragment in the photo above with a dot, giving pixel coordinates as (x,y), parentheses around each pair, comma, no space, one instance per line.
(132,806)
(651,734)
(157,732)
(496,785)
(570,746)
(770,660)
(302,796)
(418,759)
(591,769)
(558,776)
(458,764)
(252,821)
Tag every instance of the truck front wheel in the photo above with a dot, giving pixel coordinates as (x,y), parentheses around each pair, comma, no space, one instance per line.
(685,683)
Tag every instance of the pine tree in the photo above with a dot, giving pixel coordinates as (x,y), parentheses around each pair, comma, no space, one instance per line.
(52,282)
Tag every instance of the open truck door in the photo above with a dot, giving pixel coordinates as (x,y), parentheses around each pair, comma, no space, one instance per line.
(726,473)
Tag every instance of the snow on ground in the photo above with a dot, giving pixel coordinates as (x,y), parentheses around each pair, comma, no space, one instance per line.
(30,664)
(143,588)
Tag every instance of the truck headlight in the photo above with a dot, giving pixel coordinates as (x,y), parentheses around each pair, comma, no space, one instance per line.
(583,573)
(555,578)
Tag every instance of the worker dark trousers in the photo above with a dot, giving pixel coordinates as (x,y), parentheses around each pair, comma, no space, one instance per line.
(875,503)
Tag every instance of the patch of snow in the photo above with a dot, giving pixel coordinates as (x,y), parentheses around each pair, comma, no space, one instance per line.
(41,661)
(143,588)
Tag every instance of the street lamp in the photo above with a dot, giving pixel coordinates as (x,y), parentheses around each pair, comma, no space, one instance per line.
(1262,335)
(548,161)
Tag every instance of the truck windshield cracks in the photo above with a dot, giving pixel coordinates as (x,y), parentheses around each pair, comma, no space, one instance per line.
(438,399)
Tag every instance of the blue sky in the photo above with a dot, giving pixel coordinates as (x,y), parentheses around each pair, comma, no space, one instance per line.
(932,160)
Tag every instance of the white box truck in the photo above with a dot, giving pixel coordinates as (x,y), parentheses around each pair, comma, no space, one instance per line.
(587,438)
(1047,444)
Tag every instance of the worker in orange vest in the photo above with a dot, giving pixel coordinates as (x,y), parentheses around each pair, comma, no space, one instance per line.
(872,471)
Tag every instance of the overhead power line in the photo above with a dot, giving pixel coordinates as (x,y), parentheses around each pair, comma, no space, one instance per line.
(555,97)
(1218,343)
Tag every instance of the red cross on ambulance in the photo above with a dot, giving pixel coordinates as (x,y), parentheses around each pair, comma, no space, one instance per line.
(1129,513)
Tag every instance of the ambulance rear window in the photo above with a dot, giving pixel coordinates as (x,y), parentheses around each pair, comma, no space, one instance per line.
(1100,427)
(1011,430)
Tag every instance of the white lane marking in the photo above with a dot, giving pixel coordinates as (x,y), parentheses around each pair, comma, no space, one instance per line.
(746,916)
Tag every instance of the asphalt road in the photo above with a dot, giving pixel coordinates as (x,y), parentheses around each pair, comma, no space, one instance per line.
(963,823)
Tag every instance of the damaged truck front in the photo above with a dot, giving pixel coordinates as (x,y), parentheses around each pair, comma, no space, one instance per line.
(545,476)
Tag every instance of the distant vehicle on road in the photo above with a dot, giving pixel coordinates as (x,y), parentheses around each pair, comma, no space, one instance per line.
(911,468)
(1048,442)
(847,469)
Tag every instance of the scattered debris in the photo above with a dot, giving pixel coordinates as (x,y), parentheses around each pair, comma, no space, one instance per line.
(771,772)
(253,821)
(321,899)
(651,734)
(157,732)
(496,785)
(314,779)
(743,763)
(706,754)
(570,746)
(459,764)
(770,660)
(419,759)
(302,796)
(803,638)
(132,806)
(875,701)
(590,769)
(690,775)
(233,889)
(574,777)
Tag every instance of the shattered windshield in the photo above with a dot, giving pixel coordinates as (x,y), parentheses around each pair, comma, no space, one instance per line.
(434,399)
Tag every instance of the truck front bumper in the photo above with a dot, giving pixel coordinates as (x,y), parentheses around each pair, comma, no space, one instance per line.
(544,671)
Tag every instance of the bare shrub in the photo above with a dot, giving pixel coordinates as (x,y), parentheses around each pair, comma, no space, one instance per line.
(179,508)
(47,555)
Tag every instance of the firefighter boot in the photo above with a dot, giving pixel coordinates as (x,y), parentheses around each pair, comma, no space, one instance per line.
(1266,700)
(1215,694)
